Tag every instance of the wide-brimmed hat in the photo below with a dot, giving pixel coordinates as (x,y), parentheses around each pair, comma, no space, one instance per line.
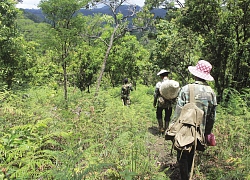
(162,72)
(202,70)
(169,89)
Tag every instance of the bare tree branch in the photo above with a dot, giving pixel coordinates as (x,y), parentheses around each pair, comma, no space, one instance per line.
(180,4)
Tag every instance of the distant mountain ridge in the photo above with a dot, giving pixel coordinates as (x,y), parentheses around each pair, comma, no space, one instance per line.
(103,10)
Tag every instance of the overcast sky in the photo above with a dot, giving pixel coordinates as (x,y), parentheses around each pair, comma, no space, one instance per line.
(32,4)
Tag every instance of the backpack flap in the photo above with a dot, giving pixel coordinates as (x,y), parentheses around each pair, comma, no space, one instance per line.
(191,114)
(172,130)
(184,139)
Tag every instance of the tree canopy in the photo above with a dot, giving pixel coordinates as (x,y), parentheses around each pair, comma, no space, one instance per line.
(90,48)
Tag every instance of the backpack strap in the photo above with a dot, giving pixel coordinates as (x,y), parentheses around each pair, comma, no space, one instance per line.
(191,92)
(192,100)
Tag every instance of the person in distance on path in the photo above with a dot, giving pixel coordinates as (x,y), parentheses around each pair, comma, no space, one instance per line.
(162,104)
(125,92)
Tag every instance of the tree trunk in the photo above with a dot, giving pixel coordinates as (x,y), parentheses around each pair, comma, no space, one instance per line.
(9,79)
(105,60)
(65,79)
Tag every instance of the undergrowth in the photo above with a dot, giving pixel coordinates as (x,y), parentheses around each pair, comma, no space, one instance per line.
(99,138)
(229,159)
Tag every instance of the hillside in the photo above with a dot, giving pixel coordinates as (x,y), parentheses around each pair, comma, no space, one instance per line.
(102,139)
(103,10)
(61,112)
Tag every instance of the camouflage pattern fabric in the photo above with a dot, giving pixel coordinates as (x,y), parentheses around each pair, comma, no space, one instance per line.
(205,99)
(125,92)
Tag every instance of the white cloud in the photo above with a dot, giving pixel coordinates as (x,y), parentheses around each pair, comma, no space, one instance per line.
(137,2)
(32,4)
(28,4)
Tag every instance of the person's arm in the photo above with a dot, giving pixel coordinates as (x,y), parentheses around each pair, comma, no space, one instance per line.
(131,87)
(156,95)
(210,119)
(121,92)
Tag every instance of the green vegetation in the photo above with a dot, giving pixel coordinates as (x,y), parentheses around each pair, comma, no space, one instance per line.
(104,139)
(60,108)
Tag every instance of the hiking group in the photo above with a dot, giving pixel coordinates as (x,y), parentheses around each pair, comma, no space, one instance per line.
(194,114)
(190,129)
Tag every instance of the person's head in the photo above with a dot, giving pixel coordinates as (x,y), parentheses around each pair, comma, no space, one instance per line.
(125,81)
(163,73)
(201,71)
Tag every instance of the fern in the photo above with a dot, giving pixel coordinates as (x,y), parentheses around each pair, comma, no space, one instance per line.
(102,139)
(235,102)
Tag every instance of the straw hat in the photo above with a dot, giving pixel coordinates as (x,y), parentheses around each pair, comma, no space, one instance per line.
(202,70)
(169,89)
(162,72)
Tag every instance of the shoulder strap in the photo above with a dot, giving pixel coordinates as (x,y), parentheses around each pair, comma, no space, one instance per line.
(191,92)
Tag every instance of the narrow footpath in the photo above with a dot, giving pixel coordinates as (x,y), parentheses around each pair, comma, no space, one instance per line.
(166,161)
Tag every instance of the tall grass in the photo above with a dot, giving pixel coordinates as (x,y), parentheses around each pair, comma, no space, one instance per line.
(229,159)
(102,139)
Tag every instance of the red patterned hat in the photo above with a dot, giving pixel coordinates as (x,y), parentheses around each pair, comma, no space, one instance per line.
(202,70)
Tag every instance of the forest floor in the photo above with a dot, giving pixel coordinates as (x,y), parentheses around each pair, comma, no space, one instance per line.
(166,161)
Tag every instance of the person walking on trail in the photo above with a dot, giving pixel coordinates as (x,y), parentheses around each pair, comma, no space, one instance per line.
(205,99)
(125,92)
(161,104)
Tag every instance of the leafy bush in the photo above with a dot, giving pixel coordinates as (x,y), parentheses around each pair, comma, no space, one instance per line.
(236,103)
(232,135)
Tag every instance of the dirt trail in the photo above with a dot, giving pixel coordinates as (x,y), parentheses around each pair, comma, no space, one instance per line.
(165,160)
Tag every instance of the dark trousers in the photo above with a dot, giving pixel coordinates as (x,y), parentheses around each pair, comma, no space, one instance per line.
(167,115)
(185,161)
(126,100)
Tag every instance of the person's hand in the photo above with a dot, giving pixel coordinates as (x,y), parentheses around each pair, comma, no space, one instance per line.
(210,138)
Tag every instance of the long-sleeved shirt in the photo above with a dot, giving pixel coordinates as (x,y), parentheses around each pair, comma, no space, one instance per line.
(205,99)
(125,90)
